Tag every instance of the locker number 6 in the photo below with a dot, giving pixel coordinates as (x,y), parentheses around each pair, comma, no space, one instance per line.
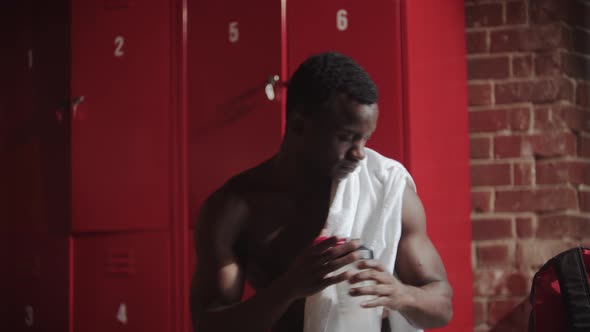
(234,33)
(342,19)
(119,41)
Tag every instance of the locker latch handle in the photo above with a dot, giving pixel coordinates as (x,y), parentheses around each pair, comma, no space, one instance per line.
(269,89)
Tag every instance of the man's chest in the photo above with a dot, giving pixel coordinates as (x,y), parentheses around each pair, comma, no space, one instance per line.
(277,231)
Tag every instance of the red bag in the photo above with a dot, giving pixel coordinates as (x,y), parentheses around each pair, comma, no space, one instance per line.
(560,294)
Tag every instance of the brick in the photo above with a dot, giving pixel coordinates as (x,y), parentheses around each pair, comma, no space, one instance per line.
(575,118)
(499,119)
(488,67)
(509,147)
(532,254)
(522,65)
(494,255)
(483,15)
(561,117)
(560,226)
(570,11)
(584,199)
(480,147)
(544,119)
(535,200)
(584,146)
(523,173)
(491,229)
(548,64)
(479,312)
(566,91)
(508,314)
(496,282)
(509,40)
(543,37)
(562,172)
(539,91)
(477,42)
(583,94)
(519,118)
(581,41)
(516,12)
(481,200)
(490,174)
(576,66)
(550,144)
(480,94)
(546,37)
(524,227)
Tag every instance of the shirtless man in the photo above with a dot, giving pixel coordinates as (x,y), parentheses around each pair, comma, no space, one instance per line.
(261,225)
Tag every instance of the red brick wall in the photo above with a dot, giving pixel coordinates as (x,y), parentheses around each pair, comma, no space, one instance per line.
(529,95)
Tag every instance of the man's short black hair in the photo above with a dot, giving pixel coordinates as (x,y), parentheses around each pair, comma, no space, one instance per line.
(325,75)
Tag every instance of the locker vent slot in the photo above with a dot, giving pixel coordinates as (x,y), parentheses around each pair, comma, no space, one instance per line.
(120,263)
(116,4)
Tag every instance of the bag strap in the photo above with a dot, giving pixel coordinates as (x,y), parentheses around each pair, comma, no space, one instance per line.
(575,291)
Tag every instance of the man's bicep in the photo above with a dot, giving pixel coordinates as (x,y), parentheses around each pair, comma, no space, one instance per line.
(218,279)
(418,262)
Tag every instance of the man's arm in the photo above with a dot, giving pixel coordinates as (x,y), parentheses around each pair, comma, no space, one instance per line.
(219,280)
(422,294)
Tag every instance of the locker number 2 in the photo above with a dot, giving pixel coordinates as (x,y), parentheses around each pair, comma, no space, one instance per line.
(234,33)
(342,19)
(119,42)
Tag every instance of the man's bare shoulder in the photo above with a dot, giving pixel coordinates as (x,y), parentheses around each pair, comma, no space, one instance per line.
(230,203)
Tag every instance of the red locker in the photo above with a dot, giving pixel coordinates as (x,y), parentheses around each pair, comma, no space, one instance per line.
(422,98)
(36,283)
(437,125)
(21,298)
(20,196)
(122,282)
(234,115)
(120,119)
(371,35)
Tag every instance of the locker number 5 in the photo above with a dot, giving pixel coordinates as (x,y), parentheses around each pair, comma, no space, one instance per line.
(119,42)
(234,33)
(342,19)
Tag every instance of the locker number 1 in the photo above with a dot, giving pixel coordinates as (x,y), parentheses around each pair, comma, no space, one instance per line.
(234,33)
(342,20)
(119,41)
(29,316)
(122,314)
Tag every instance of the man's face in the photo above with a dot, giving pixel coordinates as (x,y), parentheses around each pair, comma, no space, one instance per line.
(335,139)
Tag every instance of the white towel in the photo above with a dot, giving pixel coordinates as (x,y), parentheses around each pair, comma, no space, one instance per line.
(367,206)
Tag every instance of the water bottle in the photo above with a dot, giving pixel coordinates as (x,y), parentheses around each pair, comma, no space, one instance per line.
(347,313)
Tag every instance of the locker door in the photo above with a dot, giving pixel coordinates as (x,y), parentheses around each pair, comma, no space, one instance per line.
(35,283)
(233,49)
(370,34)
(122,282)
(20,195)
(120,114)
(53,267)
(21,298)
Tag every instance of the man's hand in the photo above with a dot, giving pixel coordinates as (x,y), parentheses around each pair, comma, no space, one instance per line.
(391,293)
(308,273)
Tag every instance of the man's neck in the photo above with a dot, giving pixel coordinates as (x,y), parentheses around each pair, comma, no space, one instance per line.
(290,172)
